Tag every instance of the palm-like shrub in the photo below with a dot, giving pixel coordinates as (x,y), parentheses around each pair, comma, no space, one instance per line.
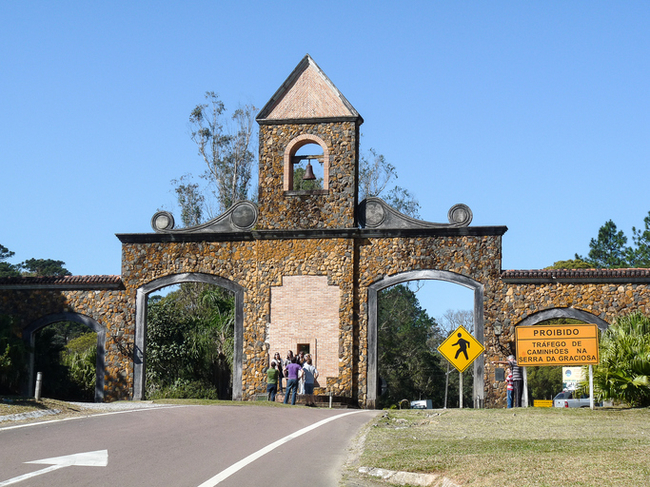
(624,370)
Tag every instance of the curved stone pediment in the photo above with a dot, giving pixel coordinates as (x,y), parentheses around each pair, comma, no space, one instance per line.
(240,217)
(376,213)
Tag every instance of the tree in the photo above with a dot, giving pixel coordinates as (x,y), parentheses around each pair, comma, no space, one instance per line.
(300,184)
(544,382)
(640,256)
(375,176)
(623,373)
(190,200)
(577,263)
(13,356)
(190,335)
(226,148)
(44,267)
(30,267)
(410,369)
(80,358)
(609,249)
(7,269)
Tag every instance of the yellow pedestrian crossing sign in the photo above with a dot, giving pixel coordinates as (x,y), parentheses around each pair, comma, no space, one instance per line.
(461,348)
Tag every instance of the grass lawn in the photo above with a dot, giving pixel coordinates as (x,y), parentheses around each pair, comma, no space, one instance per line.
(520,447)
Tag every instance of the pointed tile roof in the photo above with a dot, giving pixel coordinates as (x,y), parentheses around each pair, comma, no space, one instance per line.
(307,94)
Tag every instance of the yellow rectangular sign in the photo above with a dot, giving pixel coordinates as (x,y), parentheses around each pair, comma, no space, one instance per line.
(543,403)
(546,345)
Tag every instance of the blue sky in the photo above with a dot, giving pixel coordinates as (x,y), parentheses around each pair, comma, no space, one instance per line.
(535,114)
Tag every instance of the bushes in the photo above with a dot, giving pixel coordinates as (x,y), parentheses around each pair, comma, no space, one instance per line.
(190,335)
(624,370)
(66,353)
(80,358)
(13,357)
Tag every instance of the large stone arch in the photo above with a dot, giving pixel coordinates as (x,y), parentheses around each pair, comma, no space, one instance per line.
(573,313)
(439,275)
(29,334)
(141,326)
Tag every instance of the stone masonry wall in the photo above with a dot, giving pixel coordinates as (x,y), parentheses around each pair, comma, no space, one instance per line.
(256,266)
(336,208)
(512,303)
(475,257)
(108,308)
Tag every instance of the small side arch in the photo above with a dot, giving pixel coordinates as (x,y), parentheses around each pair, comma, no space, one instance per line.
(29,335)
(373,290)
(291,150)
(553,313)
(573,313)
(139,360)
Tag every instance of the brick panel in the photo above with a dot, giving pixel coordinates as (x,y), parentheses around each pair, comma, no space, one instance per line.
(305,309)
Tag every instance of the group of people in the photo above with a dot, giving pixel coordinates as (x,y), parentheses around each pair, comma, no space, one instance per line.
(300,373)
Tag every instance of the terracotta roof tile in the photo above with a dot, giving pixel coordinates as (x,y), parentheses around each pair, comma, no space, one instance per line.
(63,282)
(600,275)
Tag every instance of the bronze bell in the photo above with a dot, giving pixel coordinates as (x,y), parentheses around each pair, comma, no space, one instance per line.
(309,173)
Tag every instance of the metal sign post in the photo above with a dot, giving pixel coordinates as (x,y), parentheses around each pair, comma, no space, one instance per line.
(460,349)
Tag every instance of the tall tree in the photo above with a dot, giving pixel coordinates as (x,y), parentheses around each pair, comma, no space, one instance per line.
(609,249)
(7,269)
(190,200)
(410,369)
(640,255)
(30,267)
(226,146)
(44,267)
(376,178)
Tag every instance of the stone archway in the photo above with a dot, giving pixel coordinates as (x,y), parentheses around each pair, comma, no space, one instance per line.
(29,335)
(421,275)
(554,313)
(141,326)
(572,313)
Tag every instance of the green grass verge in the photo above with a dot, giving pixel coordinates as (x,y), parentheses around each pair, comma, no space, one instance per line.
(522,447)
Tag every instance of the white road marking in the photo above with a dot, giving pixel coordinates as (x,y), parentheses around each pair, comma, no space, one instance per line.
(223,475)
(97,458)
(89,415)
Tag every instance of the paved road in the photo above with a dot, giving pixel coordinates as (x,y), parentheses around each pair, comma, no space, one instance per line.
(186,446)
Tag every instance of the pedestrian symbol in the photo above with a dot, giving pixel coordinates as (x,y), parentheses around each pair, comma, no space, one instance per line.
(461,349)
(462,346)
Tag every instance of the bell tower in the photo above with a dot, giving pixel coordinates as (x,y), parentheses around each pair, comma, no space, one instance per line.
(309,154)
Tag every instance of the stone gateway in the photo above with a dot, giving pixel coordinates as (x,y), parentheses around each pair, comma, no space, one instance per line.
(306,267)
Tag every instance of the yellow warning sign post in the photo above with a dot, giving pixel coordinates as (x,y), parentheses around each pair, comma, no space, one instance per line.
(461,349)
(557,345)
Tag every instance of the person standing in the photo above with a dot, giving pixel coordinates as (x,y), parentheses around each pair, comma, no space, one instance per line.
(509,387)
(293,370)
(310,374)
(300,360)
(280,364)
(271,381)
(517,379)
